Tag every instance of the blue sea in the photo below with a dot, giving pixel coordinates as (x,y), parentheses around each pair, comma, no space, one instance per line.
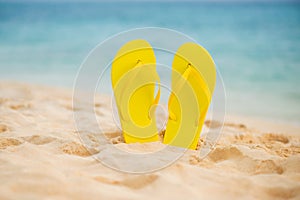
(256,46)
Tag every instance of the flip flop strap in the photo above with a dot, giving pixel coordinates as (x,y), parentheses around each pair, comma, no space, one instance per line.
(190,70)
(153,74)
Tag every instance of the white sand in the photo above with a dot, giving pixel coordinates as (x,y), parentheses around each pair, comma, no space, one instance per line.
(41,156)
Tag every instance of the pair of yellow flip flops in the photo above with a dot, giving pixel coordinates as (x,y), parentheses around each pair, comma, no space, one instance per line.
(134,79)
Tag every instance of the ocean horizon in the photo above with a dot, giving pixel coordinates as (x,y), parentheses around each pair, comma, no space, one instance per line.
(256,46)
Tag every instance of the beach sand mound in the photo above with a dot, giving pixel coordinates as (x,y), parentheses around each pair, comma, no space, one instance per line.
(42,156)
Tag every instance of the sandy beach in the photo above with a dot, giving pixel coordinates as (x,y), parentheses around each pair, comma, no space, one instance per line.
(42,156)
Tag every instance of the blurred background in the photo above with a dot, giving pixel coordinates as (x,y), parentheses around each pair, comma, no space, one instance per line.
(255,44)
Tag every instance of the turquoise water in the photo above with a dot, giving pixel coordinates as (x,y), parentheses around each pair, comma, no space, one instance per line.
(256,46)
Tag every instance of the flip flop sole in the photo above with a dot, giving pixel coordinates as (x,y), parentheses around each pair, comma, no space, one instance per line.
(133,78)
(193,82)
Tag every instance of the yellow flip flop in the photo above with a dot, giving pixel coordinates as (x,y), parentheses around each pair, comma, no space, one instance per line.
(134,78)
(193,83)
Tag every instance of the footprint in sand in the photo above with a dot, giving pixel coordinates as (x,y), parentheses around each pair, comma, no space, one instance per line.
(7,142)
(133,182)
(113,134)
(213,124)
(139,181)
(117,140)
(74,148)
(3,128)
(225,153)
(245,163)
(19,105)
(283,193)
(97,105)
(267,167)
(233,125)
(271,137)
(39,140)
(216,124)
